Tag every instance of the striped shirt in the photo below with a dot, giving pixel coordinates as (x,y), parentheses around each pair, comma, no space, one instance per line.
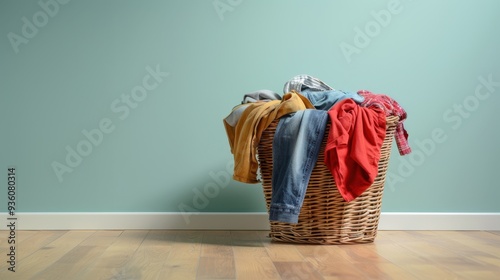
(302,82)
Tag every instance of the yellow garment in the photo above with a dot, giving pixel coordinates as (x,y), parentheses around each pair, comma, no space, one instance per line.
(245,136)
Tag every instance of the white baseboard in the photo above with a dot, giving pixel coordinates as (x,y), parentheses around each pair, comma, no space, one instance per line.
(139,220)
(232,221)
(439,221)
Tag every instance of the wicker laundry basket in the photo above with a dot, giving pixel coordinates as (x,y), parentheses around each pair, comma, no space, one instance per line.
(325,217)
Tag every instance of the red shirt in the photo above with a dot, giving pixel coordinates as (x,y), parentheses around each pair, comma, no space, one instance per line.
(353,147)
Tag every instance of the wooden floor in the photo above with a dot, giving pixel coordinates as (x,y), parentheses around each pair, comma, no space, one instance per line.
(185,255)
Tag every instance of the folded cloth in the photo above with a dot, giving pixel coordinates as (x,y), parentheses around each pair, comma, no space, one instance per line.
(353,146)
(303,82)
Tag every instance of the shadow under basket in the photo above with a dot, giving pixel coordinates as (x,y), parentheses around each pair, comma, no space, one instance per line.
(325,217)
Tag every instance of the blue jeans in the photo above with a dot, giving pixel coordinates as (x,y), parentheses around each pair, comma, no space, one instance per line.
(324,100)
(296,146)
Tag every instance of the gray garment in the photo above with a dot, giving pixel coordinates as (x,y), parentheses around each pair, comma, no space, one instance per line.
(260,95)
(235,114)
(303,82)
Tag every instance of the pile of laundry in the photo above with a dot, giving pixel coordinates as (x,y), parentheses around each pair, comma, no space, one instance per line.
(357,131)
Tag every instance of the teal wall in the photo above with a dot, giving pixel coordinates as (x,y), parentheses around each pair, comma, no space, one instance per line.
(67,69)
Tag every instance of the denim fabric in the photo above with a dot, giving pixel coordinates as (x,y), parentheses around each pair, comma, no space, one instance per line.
(296,146)
(324,100)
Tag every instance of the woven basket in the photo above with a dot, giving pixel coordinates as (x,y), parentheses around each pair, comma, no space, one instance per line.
(325,218)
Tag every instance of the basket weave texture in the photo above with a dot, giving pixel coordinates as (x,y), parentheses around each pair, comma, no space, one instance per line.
(325,218)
